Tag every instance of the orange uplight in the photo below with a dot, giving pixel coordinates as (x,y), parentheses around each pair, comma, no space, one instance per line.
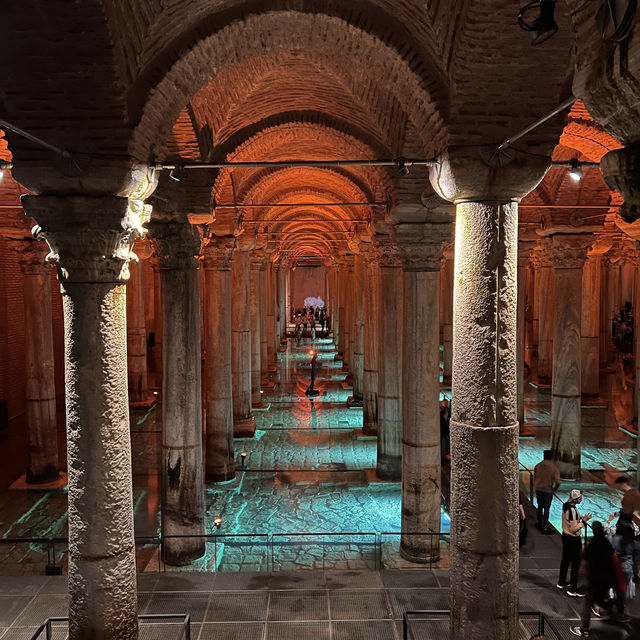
(310,352)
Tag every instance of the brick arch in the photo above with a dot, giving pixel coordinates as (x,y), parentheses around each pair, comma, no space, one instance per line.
(258,34)
(302,142)
(260,87)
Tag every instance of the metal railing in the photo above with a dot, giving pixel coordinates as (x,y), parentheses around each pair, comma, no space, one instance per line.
(269,552)
(544,624)
(47,627)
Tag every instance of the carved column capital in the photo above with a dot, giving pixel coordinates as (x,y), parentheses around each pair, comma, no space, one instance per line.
(388,253)
(257,259)
(245,241)
(177,244)
(541,256)
(90,238)
(569,251)
(621,171)
(217,253)
(421,245)
(525,251)
(32,256)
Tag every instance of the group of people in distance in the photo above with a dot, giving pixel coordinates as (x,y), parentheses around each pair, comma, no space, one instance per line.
(611,554)
(310,317)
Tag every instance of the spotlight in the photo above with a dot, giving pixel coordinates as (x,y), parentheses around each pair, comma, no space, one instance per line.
(217,521)
(575,172)
(243,457)
(544,26)
(403,169)
(177,173)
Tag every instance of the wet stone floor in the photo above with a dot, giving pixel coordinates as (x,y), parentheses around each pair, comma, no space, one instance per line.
(308,497)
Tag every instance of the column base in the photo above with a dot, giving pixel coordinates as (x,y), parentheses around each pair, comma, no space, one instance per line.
(180,552)
(370,429)
(389,468)
(220,475)
(59,482)
(418,554)
(244,427)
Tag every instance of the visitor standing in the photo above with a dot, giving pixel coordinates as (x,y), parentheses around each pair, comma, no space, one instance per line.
(603,573)
(546,479)
(572,525)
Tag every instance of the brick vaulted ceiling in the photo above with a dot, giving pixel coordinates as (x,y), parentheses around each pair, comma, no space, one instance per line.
(215,80)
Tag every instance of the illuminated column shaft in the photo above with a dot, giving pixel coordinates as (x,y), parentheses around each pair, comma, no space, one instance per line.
(264,340)
(447,313)
(389,464)
(157,325)
(257,260)
(524,251)
(371,342)
(590,341)
(178,245)
(91,240)
(358,329)
(40,391)
(220,464)
(244,424)
(545,294)
(568,253)
(421,250)
(271,321)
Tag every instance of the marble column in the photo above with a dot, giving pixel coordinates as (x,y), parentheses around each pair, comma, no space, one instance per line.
(139,394)
(256,263)
(524,251)
(605,323)
(244,424)
(447,313)
(178,246)
(264,344)
(343,276)
(220,460)
(568,253)
(271,320)
(91,239)
(484,427)
(357,367)
(530,345)
(282,303)
(545,296)
(535,315)
(590,326)
(421,248)
(389,463)
(371,342)
(40,391)
(157,324)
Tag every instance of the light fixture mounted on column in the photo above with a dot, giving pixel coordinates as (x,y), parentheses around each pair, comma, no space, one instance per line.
(177,173)
(403,169)
(218,521)
(542,27)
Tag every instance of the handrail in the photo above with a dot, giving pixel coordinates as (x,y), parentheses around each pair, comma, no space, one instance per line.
(543,620)
(47,625)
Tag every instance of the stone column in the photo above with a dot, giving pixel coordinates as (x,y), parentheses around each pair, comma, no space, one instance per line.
(244,425)
(178,245)
(343,342)
(157,324)
(256,261)
(545,296)
(484,427)
(530,347)
(371,341)
(40,391)
(139,394)
(91,240)
(590,327)
(421,251)
(605,323)
(282,303)
(568,253)
(271,321)
(535,316)
(389,465)
(220,460)
(524,251)
(357,367)
(447,313)
(264,344)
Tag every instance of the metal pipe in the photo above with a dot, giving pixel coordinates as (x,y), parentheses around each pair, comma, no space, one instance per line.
(25,134)
(397,162)
(534,125)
